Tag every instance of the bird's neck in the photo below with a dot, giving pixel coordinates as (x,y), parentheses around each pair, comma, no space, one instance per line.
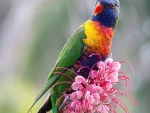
(107,21)
(99,37)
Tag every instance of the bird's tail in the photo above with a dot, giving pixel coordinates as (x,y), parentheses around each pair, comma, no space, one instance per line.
(46,106)
(48,84)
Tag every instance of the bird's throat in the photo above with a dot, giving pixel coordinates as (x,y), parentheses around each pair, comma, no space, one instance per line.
(99,37)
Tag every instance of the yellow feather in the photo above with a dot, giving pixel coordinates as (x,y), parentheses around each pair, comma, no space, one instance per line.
(99,37)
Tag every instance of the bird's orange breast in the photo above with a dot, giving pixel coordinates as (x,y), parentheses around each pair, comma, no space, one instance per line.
(99,37)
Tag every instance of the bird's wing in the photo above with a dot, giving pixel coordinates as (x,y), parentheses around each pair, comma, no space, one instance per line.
(72,50)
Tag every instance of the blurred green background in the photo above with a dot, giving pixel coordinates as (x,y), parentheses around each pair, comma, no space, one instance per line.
(33,32)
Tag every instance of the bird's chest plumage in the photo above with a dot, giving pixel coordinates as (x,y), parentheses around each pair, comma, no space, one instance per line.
(99,37)
(98,40)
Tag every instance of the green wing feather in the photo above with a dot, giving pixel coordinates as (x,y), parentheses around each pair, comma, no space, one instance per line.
(71,51)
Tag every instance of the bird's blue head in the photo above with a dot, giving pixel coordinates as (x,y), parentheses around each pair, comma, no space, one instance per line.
(106,12)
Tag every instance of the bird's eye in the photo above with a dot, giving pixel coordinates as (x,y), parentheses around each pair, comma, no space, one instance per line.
(112,6)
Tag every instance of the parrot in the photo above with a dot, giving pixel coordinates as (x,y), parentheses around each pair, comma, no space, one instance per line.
(90,43)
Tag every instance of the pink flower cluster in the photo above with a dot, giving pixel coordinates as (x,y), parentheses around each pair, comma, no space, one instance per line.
(97,93)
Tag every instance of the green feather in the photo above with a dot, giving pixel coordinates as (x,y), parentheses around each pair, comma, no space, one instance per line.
(71,51)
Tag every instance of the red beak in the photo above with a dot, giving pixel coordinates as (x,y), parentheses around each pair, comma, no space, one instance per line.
(98,9)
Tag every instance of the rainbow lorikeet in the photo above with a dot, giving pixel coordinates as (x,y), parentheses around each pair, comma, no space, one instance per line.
(91,38)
